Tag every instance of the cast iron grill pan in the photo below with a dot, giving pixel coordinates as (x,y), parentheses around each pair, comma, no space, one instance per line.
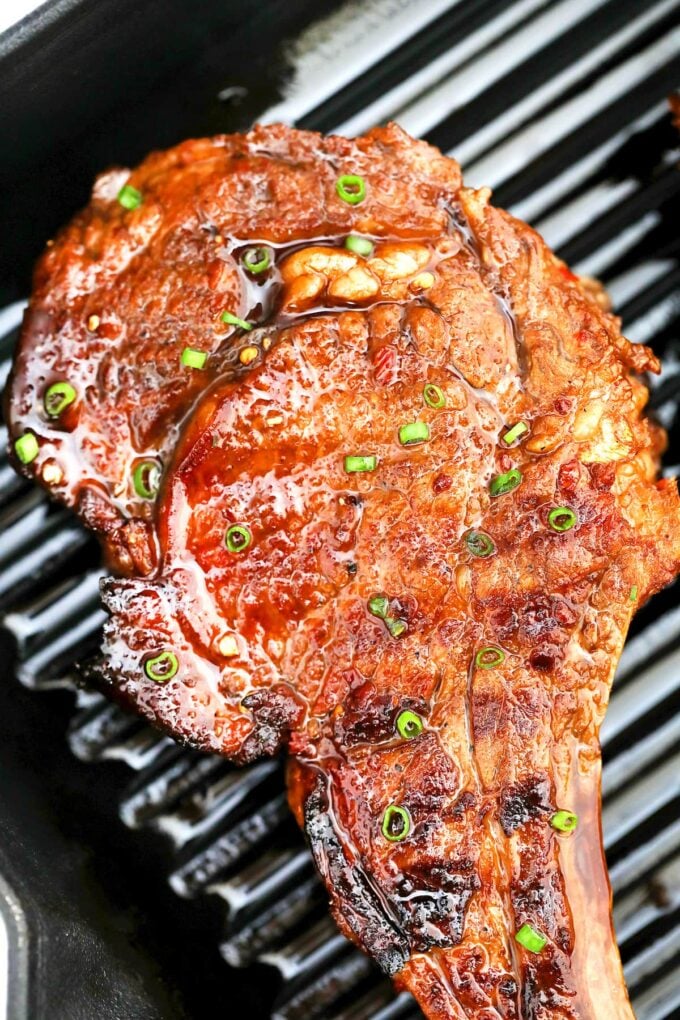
(561,108)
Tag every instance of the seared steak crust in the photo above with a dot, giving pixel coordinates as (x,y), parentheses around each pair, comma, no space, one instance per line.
(122,292)
(433,636)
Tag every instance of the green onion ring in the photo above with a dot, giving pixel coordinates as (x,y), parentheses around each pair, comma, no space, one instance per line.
(379,605)
(396,823)
(414,432)
(26,447)
(502,484)
(433,396)
(58,397)
(359,245)
(162,667)
(409,724)
(564,821)
(256,260)
(351,188)
(237,538)
(515,432)
(489,657)
(480,544)
(146,479)
(355,464)
(562,518)
(531,938)
(233,320)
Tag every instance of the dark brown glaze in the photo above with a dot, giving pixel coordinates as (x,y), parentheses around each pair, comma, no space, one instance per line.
(509,335)
(119,294)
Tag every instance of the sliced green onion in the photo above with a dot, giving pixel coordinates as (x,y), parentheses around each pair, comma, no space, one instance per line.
(233,320)
(359,245)
(506,482)
(531,938)
(379,606)
(489,657)
(58,397)
(633,594)
(515,432)
(26,447)
(562,518)
(396,823)
(354,464)
(146,479)
(409,724)
(564,821)
(237,538)
(480,544)
(256,260)
(129,197)
(162,667)
(414,432)
(396,627)
(193,358)
(351,188)
(433,396)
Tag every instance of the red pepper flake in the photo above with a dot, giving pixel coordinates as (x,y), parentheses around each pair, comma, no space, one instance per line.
(566,271)
(384,365)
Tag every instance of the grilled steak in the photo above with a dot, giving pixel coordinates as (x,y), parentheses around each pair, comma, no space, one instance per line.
(405,544)
(147,271)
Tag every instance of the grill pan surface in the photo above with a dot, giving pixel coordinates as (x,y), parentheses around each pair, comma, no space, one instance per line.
(127,871)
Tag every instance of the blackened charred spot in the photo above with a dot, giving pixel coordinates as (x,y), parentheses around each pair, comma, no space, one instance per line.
(466,801)
(548,987)
(352,569)
(563,939)
(275,713)
(369,715)
(434,913)
(508,988)
(358,909)
(523,802)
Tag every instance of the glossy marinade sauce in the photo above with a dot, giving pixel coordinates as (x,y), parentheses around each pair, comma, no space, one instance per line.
(323,577)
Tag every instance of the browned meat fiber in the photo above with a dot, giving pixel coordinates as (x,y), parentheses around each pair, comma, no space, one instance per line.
(408,505)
